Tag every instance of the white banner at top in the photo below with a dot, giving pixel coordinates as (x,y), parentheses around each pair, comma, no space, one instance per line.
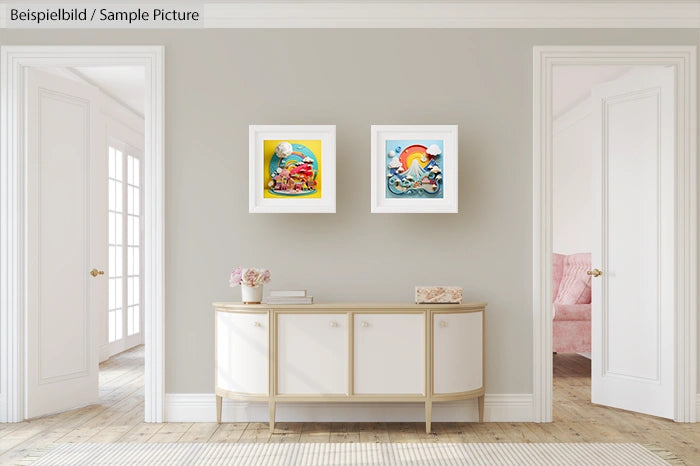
(101,16)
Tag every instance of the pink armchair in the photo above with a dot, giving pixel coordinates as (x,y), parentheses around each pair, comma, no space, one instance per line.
(571,295)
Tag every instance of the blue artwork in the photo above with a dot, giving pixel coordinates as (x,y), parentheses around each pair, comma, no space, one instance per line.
(414,168)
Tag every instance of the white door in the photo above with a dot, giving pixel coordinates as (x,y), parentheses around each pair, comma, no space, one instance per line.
(66,230)
(633,242)
(389,353)
(312,353)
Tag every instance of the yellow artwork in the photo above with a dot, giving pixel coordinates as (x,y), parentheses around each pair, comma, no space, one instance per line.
(292,168)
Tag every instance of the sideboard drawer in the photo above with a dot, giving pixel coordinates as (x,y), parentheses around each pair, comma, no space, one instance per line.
(242,352)
(389,353)
(312,354)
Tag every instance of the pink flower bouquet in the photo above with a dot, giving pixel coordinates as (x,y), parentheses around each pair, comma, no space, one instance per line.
(249,277)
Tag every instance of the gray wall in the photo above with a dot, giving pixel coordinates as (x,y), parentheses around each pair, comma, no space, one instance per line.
(220,81)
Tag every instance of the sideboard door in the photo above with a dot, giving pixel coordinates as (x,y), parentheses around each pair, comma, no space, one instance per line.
(457,352)
(389,353)
(242,352)
(311,354)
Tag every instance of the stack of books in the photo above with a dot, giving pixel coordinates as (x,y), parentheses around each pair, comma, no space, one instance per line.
(288,297)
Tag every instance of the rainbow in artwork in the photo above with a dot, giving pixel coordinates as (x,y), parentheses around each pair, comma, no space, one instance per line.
(292,168)
(414,168)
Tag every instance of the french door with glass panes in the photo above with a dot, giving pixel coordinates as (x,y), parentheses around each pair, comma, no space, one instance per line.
(124,311)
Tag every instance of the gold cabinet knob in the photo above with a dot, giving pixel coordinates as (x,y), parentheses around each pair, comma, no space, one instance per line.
(333,324)
(95,272)
(595,273)
(365,324)
(443,323)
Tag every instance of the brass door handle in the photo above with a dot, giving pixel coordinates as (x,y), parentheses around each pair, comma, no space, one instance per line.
(595,272)
(95,272)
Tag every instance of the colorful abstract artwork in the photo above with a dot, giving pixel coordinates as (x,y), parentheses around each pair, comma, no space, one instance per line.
(292,168)
(414,168)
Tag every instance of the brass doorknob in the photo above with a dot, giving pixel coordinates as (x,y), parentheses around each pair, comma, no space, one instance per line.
(95,272)
(595,272)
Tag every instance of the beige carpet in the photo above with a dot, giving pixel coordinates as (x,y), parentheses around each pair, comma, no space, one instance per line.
(559,454)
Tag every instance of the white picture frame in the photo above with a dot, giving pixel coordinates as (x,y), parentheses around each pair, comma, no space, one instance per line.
(388,191)
(284,198)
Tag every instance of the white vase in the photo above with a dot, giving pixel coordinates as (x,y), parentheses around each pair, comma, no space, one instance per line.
(251,294)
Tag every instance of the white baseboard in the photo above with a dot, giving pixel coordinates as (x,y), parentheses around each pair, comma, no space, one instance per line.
(697,407)
(201,407)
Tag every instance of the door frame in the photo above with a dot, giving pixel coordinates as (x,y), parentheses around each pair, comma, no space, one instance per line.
(14,61)
(683,58)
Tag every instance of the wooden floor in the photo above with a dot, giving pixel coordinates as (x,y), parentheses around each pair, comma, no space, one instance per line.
(119,418)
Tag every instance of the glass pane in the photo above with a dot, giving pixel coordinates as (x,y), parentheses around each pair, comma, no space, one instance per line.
(111,228)
(137,319)
(110,194)
(137,201)
(112,294)
(137,179)
(118,196)
(137,286)
(130,200)
(112,326)
(129,261)
(119,167)
(130,229)
(117,293)
(130,321)
(118,261)
(137,232)
(118,236)
(111,268)
(130,169)
(120,324)
(130,291)
(111,162)
(135,259)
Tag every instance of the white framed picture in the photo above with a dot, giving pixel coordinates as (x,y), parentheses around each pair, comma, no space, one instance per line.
(414,169)
(291,169)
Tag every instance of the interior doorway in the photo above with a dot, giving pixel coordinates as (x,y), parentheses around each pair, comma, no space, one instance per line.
(140,294)
(572,232)
(640,254)
(85,141)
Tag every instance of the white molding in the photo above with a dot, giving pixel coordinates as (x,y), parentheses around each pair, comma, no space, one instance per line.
(683,58)
(464,14)
(201,407)
(13,61)
(697,407)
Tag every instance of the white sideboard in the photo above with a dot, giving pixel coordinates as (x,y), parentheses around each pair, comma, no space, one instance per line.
(349,352)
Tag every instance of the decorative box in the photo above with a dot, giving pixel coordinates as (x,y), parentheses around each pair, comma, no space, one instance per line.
(439,294)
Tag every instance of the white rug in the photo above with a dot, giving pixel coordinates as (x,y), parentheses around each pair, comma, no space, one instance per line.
(336,454)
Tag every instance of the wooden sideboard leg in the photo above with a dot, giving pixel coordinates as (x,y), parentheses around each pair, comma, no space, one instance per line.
(481,408)
(428,415)
(218,409)
(271,405)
